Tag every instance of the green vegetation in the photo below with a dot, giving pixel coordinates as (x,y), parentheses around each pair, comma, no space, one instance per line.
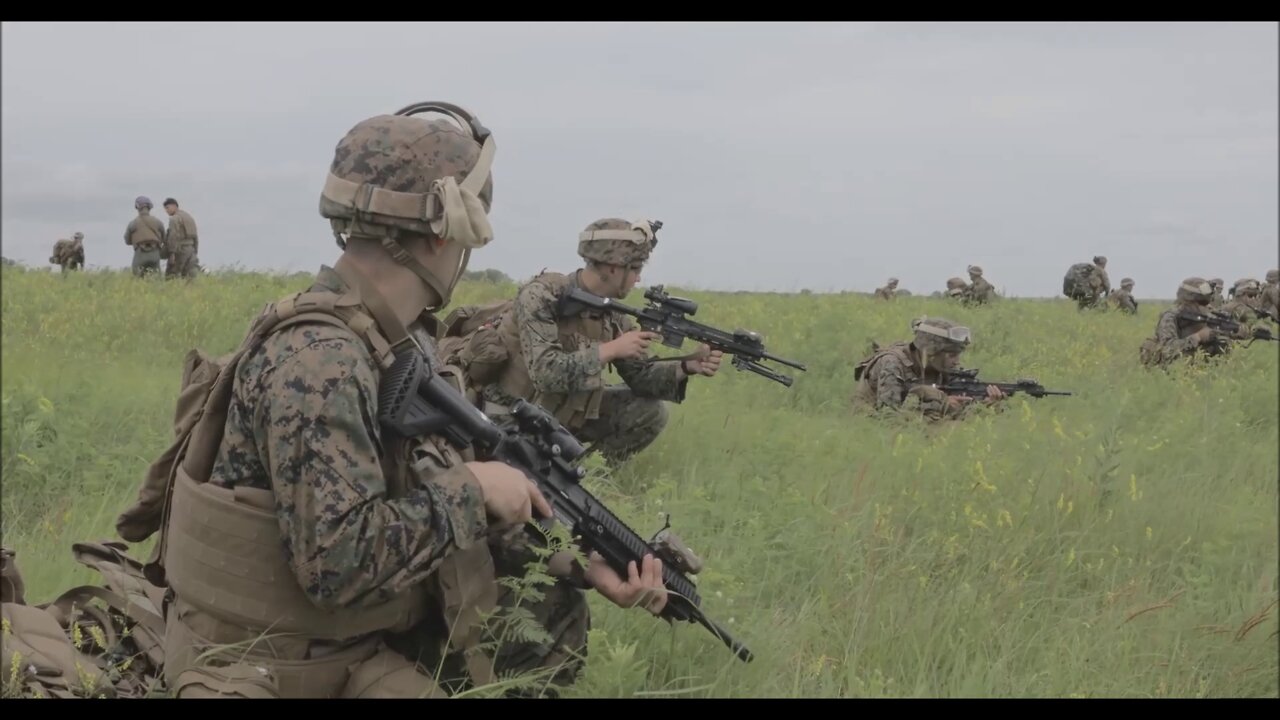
(1120,542)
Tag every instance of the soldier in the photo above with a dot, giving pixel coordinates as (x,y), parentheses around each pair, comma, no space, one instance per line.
(145,234)
(1244,307)
(888,291)
(351,562)
(1088,284)
(1270,298)
(902,377)
(957,289)
(69,254)
(1178,336)
(1123,299)
(181,242)
(1217,300)
(533,351)
(979,291)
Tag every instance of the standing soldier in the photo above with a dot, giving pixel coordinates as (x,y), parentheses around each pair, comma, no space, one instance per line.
(69,253)
(888,291)
(145,234)
(1087,284)
(979,291)
(1123,299)
(1270,298)
(180,242)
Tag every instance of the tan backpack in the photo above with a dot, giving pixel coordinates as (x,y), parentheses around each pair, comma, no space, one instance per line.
(472,342)
(91,641)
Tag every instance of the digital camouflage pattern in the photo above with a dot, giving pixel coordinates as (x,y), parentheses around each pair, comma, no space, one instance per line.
(1175,338)
(1270,297)
(894,381)
(1217,300)
(300,424)
(979,291)
(559,363)
(1123,299)
(614,251)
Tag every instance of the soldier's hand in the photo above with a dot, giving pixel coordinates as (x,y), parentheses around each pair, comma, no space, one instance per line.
(634,344)
(509,497)
(707,362)
(955,403)
(1204,335)
(994,394)
(643,588)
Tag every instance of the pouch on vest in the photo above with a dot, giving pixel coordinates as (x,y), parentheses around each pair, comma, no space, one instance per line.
(472,342)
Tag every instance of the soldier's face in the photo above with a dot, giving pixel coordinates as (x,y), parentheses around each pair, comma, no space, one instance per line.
(171,209)
(946,360)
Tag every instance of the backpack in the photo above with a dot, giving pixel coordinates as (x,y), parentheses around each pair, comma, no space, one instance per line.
(471,341)
(1075,283)
(72,647)
(201,410)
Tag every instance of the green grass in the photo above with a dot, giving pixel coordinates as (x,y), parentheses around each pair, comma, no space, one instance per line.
(1113,543)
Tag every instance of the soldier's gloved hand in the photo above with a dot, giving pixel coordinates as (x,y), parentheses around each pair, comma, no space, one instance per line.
(994,395)
(1204,335)
(509,497)
(643,588)
(628,345)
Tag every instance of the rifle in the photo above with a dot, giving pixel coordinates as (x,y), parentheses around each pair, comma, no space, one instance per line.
(966,383)
(415,401)
(666,315)
(1224,323)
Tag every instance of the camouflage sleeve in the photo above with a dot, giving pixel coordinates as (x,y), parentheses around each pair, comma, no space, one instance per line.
(128,231)
(891,383)
(348,543)
(1167,336)
(551,367)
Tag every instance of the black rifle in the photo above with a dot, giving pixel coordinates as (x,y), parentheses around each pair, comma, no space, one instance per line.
(415,401)
(666,315)
(966,383)
(1224,323)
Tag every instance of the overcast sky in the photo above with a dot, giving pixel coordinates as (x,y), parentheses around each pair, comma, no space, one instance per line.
(778,155)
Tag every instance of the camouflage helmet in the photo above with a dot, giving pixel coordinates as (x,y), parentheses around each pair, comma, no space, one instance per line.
(975,270)
(893,282)
(1217,283)
(618,242)
(936,335)
(956,284)
(1100,260)
(395,175)
(1195,290)
(142,201)
(1126,283)
(78,236)
(1246,287)
(1273,276)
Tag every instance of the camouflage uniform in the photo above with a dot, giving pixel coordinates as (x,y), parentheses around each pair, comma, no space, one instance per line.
(979,291)
(145,234)
(1122,299)
(1270,298)
(1217,300)
(888,291)
(896,380)
(370,557)
(958,289)
(553,360)
(69,254)
(1176,337)
(181,242)
(1244,306)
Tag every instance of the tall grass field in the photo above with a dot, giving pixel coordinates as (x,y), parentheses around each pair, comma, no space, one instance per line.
(1120,542)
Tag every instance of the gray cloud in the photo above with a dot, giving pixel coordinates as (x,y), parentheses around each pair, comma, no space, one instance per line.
(779,155)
